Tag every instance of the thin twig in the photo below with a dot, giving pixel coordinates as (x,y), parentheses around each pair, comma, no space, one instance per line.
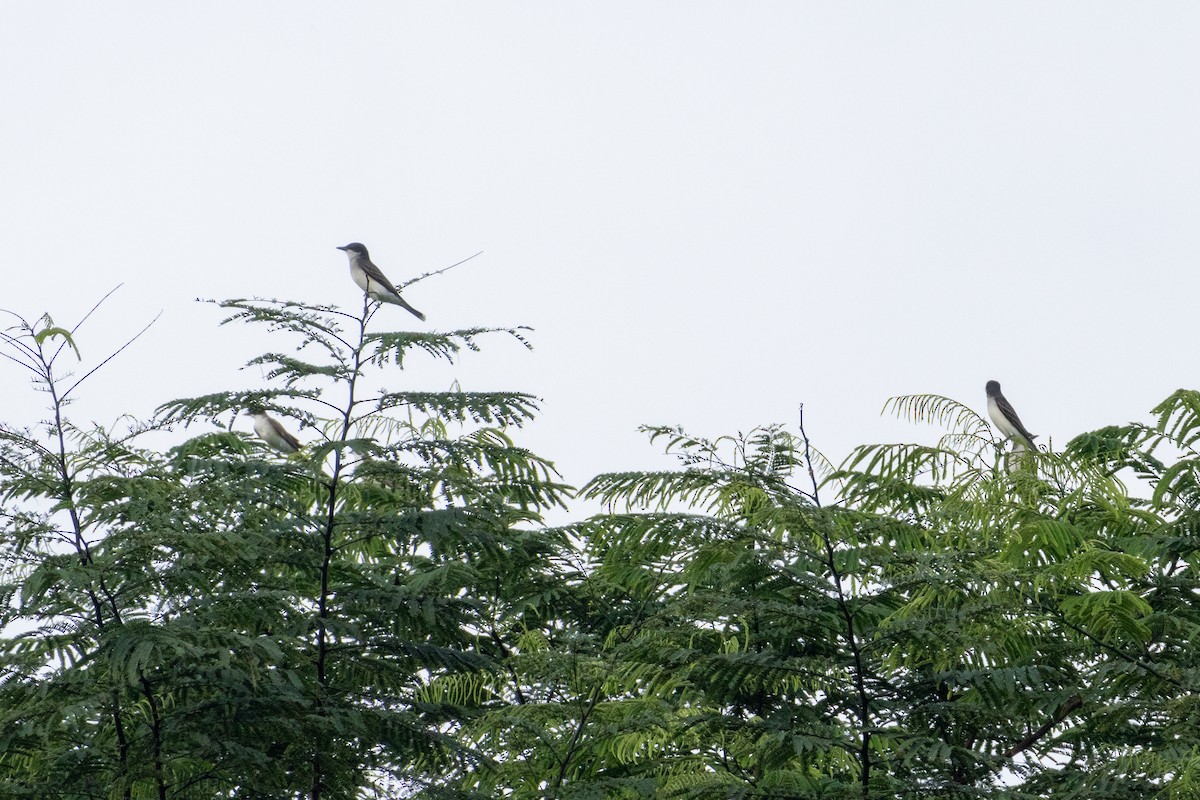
(79,324)
(439,271)
(812,476)
(16,341)
(22,363)
(111,356)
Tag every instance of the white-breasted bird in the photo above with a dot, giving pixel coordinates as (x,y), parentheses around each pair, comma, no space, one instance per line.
(1006,419)
(371,280)
(271,431)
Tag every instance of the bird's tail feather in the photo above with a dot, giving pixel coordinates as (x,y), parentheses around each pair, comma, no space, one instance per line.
(396,300)
(416,313)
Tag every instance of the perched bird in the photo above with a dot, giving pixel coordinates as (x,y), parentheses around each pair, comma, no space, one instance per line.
(371,280)
(272,432)
(1006,419)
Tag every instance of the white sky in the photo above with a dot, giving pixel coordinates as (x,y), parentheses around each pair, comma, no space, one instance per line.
(709,212)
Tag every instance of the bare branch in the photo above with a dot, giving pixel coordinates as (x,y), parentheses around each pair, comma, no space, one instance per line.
(111,356)
(82,320)
(439,271)
(812,476)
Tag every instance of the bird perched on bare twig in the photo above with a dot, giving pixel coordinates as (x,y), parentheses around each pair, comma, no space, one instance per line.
(371,280)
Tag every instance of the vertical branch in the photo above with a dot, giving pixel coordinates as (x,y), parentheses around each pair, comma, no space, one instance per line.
(812,475)
(843,601)
(327,552)
(66,495)
(29,350)
(122,743)
(156,736)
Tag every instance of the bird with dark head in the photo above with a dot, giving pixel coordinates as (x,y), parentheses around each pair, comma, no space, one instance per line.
(1005,417)
(372,280)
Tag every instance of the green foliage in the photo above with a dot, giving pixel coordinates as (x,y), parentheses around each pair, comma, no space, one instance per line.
(945,621)
(385,614)
(217,621)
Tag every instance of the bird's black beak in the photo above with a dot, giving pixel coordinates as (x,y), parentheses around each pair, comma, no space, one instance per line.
(341,248)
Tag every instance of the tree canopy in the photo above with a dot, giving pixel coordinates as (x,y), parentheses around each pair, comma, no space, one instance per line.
(386,613)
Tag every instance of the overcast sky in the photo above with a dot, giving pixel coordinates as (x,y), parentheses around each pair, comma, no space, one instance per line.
(709,212)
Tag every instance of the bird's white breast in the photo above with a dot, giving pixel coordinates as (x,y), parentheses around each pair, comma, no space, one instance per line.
(262,427)
(1002,423)
(359,276)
